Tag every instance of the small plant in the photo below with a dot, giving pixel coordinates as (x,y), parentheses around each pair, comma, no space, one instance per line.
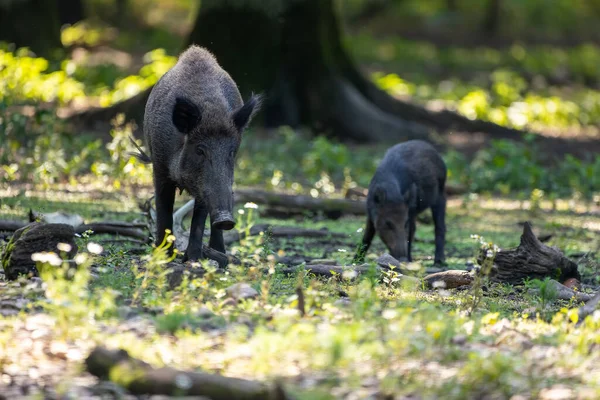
(547,291)
(68,297)
(487,253)
(151,279)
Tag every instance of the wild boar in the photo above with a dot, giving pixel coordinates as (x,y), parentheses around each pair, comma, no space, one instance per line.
(193,125)
(410,179)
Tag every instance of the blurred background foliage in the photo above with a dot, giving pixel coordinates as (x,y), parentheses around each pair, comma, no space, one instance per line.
(527,64)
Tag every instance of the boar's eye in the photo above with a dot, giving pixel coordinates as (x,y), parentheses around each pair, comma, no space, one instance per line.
(201,151)
(232,154)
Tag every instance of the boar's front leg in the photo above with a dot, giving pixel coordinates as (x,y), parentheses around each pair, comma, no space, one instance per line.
(366,242)
(164,189)
(216,239)
(194,249)
(438,211)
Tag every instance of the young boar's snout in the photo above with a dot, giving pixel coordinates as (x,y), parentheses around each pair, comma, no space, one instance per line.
(222,220)
(400,250)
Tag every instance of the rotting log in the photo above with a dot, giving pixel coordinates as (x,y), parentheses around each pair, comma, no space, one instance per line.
(532,260)
(140,378)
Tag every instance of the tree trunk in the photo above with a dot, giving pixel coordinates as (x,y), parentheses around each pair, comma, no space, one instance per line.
(292,50)
(31,23)
(70,11)
(491,22)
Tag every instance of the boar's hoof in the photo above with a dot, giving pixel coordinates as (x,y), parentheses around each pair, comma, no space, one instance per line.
(223,220)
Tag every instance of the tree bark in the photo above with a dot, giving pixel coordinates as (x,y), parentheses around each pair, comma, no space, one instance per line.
(31,23)
(70,11)
(491,22)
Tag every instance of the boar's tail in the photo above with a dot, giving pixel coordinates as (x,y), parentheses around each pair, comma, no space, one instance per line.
(140,155)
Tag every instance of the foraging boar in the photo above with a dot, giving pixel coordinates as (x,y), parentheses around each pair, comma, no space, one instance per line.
(193,126)
(410,178)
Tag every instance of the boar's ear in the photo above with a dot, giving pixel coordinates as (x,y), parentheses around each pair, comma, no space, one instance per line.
(410,196)
(243,116)
(186,115)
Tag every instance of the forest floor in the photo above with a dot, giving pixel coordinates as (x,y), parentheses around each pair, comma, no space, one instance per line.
(358,338)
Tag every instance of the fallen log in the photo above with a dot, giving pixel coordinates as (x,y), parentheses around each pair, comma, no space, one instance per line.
(140,378)
(111,228)
(532,259)
(10,225)
(107,228)
(361,192)
(301,202)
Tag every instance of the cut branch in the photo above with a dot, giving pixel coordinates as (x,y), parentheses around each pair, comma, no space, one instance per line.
(139,378)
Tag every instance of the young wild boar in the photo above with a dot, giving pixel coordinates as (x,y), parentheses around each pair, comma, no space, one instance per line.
(410,178)
(193,126)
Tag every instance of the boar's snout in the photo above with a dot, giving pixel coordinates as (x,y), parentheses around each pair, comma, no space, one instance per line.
(222,220)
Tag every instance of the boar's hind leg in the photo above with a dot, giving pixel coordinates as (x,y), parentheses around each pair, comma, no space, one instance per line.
(216,239)
(165,197)
(194,249)
(412,227)
(366,242)
(438,212)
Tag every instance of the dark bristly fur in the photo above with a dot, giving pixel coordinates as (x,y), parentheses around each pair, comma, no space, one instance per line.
(193,126)
(410,179)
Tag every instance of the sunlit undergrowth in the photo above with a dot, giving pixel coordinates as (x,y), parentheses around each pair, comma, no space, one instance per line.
(287,161)
(26,79)
(533,87)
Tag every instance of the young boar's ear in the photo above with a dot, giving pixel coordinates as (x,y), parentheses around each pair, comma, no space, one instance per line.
(243,116)
(186,115)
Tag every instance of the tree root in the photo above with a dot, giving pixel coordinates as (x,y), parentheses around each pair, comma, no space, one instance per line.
(532,259)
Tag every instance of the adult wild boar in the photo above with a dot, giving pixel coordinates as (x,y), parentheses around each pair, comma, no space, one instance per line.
(410,179)
(193,126)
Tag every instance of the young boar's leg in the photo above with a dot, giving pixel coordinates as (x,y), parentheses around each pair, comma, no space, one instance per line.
(366,242)
(164,189)
(438,212)
(412,227)
(216,240)
(194,249)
